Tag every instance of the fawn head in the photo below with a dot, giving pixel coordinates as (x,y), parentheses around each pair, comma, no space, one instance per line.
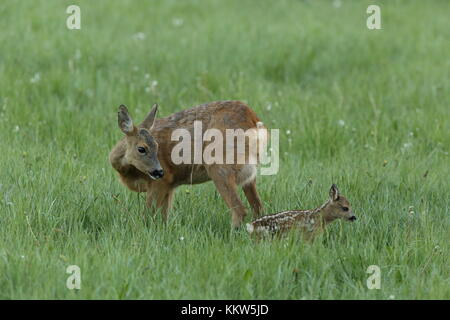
(338,206)
(141,148)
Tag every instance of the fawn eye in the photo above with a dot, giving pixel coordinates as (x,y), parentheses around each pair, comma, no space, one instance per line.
(141,149)
(345,208)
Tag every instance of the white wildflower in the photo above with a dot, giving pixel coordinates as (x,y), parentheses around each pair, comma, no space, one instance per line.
(139,36)
(337,3)
(152,86)
(406,146)
(77,54)
(36,78)
(341,123)
(177,22)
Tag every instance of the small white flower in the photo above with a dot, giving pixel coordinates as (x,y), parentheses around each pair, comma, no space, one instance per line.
(78,54)
(16,129)
(147,76)
(337,3)
(406,146)
(36,78)
(341,123)
(139,36)
(177,22)
(392,297)
(288,132)
(269,106)
(181,238)
(152,86)
(22,256)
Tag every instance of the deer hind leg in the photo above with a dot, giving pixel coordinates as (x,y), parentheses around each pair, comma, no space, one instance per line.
(159,197)
(225,182)
(253,198)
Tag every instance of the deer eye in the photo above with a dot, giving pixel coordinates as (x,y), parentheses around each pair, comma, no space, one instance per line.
(345,208)
(141,149)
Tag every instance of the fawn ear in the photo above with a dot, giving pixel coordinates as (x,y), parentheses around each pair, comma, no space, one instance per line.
(150,118)
(125,121)
(334,193)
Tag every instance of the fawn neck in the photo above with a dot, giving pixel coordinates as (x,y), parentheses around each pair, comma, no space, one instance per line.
(324,211)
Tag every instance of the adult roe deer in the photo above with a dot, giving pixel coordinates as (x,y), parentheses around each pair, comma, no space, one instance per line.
(309,222)
(143,157)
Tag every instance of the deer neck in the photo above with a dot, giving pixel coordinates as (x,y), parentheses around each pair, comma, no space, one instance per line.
(324,213)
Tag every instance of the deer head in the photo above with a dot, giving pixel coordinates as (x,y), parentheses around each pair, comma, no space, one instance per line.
(141,148)
(338,206)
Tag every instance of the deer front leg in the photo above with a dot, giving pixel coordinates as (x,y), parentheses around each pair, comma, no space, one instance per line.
(227,187)
(159,197)
(253,198)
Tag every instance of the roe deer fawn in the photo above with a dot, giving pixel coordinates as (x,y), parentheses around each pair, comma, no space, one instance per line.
(309,222)
(143,157)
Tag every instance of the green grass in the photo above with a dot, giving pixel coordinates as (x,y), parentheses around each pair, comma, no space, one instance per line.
(302,66)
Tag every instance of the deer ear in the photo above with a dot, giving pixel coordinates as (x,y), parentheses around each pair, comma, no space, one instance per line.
(125,121)
(150,118)
(334,193)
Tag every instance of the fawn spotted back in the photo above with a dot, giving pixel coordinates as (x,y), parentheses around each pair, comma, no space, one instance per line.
(309,222)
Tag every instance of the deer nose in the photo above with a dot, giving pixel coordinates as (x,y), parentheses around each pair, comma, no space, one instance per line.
(157,174)
(352,218)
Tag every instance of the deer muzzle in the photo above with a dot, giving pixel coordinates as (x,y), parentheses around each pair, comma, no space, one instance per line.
(156,174)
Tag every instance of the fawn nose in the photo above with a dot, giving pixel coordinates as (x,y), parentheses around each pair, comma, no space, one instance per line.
(352,218)
(157,174)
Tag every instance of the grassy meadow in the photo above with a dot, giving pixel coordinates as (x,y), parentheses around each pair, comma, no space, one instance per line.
(365,109)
